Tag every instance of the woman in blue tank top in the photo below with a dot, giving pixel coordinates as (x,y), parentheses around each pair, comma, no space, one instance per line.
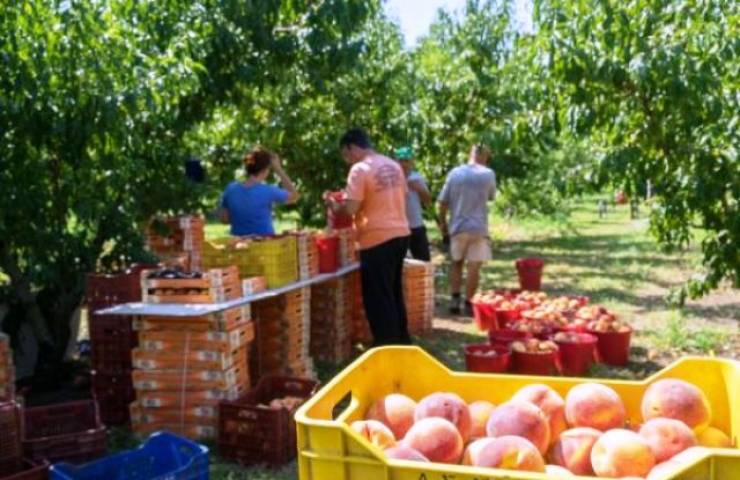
(247,205)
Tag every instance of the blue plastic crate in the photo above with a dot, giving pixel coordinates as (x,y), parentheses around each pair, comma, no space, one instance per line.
(164,456)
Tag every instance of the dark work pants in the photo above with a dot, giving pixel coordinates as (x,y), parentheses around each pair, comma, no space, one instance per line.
(419,244)
(381,271)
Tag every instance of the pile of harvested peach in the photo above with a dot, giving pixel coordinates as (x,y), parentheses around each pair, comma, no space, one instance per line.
(587,433)
(537,313)
(533,345)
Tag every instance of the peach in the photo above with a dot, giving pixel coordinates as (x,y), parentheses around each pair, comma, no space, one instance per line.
(521,419)
(677,399)
(572,450)
(437,439)
(621,453)
(594,405)
(480,411)
(472,452)
(555,471)
(448,406)
(667,437)
(714,438)
(400,452)
(375,432)
(511,453)
(550,402)
(396,411)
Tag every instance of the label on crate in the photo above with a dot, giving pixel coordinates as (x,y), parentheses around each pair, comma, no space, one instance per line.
(206,356)
(146,385)
(194,359)
(197,397)
(253,285)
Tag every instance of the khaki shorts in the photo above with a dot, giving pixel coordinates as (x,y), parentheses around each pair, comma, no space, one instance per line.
(472,247)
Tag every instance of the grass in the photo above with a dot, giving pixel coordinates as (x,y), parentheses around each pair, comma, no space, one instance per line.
(677,335)
(613,260)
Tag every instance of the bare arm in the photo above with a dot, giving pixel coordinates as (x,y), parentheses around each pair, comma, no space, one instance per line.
(285,180)
(422,191)
(442,218)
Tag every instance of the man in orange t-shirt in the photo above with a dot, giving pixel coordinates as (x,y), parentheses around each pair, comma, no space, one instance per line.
(376,196)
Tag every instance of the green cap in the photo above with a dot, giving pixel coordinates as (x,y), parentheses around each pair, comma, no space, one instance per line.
(404,153)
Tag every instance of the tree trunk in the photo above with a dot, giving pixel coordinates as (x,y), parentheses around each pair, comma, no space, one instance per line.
(21,286)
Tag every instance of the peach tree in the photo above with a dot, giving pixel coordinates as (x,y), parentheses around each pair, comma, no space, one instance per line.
(96,100)
(653,85)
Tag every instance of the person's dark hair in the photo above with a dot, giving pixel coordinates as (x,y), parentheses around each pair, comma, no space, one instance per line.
(256,161)
(354,136)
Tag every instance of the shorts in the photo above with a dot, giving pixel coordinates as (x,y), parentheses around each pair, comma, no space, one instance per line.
(472,247)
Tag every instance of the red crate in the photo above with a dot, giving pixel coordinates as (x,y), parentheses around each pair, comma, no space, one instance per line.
(10,435)
(112,338)
(250,433)
(26,470)
(112,289)
(69,431)
(114,393)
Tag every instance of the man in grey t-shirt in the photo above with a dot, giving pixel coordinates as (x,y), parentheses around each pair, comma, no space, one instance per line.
(465,195)
(417,197)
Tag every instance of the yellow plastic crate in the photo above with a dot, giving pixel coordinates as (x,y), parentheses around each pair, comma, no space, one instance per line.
(329,449)
(274,258)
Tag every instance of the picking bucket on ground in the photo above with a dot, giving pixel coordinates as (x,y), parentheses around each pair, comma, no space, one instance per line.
(614,347)
(528,363)
(486,358)
(530,273)
(506,316)
(576,357)
(484,315)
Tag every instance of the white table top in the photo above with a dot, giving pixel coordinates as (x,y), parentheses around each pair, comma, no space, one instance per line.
(196,310)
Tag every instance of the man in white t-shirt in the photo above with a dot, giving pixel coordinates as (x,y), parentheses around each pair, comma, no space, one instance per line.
(417,197)
(465,195)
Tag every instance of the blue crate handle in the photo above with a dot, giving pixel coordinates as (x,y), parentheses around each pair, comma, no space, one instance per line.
(164,456)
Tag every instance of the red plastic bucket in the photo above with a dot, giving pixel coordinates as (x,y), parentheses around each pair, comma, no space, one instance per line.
(328,247)
(530,273)
(507,316)
(486,358)
(614,347)
(577,357)
(338,220)
(527,363)
(485,316)
(505,337)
